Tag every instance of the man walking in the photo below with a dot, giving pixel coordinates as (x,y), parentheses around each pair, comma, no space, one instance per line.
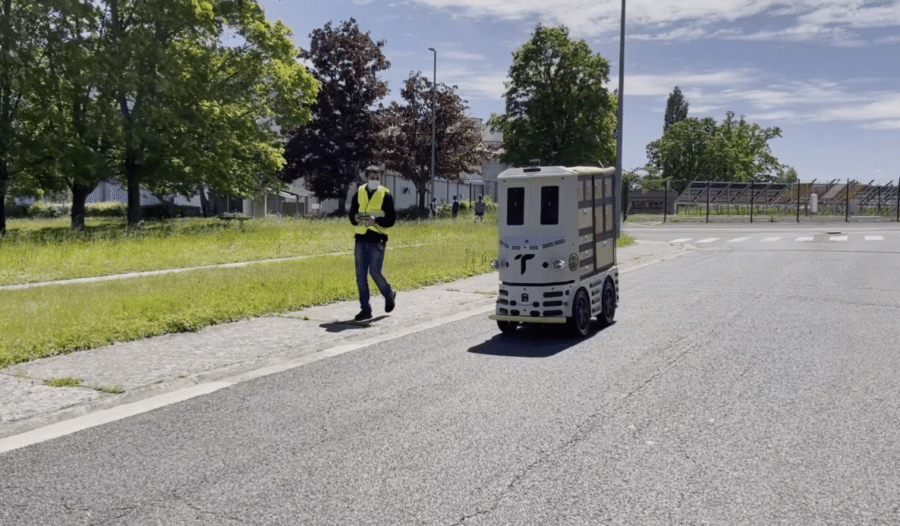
(371,212)
(479,209)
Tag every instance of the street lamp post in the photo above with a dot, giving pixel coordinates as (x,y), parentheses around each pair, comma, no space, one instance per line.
(433,85)
(619,127)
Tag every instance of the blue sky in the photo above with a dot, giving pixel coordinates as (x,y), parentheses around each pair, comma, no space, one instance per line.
(827,72)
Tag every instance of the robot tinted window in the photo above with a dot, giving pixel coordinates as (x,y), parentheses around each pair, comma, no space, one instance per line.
(549,205)
(515,206)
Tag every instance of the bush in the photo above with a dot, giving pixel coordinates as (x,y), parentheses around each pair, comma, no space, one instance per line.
(412,213)
(48,210)
(14,211)
(107,209)
(168,211)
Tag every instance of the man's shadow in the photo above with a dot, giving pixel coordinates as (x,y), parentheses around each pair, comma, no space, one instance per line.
(349,325)
(533,341)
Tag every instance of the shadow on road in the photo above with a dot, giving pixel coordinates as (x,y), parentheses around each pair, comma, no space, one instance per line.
(340,326)
(532,342)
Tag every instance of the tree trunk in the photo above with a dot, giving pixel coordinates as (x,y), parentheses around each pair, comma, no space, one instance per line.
(204,202)
(133,187)
(79,197)
(3,185)
(422,188)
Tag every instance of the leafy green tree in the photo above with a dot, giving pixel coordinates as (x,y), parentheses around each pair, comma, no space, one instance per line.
(75,145)
(557,106)
(331,151)
(743,149)
(193,109)
(676,108)
(22,58)
(685,152)
(404,145)
(787,174)
(644,178)
(701,149)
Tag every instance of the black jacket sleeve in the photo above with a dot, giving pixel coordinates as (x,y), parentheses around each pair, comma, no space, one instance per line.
(390,215)
(354,209)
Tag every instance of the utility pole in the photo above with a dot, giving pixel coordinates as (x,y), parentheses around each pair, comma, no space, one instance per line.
(620,125)
(433,86)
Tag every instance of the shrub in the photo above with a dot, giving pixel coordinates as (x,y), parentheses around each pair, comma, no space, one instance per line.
(14,211)
(48,210)
(106,209)
(412,213)
(168,211)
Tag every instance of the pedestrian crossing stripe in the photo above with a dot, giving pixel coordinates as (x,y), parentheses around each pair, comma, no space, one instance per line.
(772,239)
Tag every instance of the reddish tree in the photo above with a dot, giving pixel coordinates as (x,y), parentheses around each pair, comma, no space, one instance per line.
(338,143)
(404,145)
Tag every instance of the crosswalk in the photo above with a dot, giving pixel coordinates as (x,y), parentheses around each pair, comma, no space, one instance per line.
(775,239)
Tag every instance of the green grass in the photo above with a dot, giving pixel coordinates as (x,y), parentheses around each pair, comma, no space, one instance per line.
(43,250)
(57,319)
(63,382)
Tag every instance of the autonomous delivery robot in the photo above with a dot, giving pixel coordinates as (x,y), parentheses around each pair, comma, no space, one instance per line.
(557,247)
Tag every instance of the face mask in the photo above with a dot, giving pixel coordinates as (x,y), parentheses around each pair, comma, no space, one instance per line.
(373,185)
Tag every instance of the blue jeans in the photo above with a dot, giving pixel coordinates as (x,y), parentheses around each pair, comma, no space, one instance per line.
(369,260)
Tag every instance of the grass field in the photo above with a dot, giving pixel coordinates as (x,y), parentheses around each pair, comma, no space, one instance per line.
(48,320)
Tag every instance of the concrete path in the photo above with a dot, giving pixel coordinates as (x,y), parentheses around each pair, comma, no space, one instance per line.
(132,377)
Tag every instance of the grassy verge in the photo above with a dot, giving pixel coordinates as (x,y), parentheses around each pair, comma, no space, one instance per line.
(51,320)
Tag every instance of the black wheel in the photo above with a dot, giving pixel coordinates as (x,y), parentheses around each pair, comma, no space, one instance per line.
(608,302)
(507,327)
(579,323)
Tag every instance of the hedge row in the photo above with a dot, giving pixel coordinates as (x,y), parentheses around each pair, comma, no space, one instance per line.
(40,210)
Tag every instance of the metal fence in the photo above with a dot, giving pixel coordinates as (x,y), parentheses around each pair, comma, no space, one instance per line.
(760,201)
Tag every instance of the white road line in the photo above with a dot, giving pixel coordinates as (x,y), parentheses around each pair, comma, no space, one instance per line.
(709,240)
(874,238)
(838,238)
(805,238)
(681,240)
(769,239)
(738,240)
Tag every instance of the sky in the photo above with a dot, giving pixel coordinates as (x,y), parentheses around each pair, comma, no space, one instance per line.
(826,72)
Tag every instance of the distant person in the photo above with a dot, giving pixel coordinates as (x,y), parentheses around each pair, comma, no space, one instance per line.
(433,207)
(455,208)
(372,211)
(479,209)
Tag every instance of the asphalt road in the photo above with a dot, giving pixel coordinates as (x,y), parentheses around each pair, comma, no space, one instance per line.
(749,382)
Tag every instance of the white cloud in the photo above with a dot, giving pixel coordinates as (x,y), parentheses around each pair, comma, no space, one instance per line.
(833,21)
(879,107)
(690,83)
(884,125)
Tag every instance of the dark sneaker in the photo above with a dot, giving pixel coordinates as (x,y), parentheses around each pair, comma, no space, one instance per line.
(364,314)
(389,301)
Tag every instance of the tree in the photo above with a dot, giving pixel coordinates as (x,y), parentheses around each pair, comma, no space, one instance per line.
(192,110)
(21,60)
(676,108)
(404,145)
(744,150)
(75,145)
(685,153)
(700,149)
(557,108)
(787,174)
(332,150)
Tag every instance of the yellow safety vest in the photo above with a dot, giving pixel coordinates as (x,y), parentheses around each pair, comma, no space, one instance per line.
(370,207)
